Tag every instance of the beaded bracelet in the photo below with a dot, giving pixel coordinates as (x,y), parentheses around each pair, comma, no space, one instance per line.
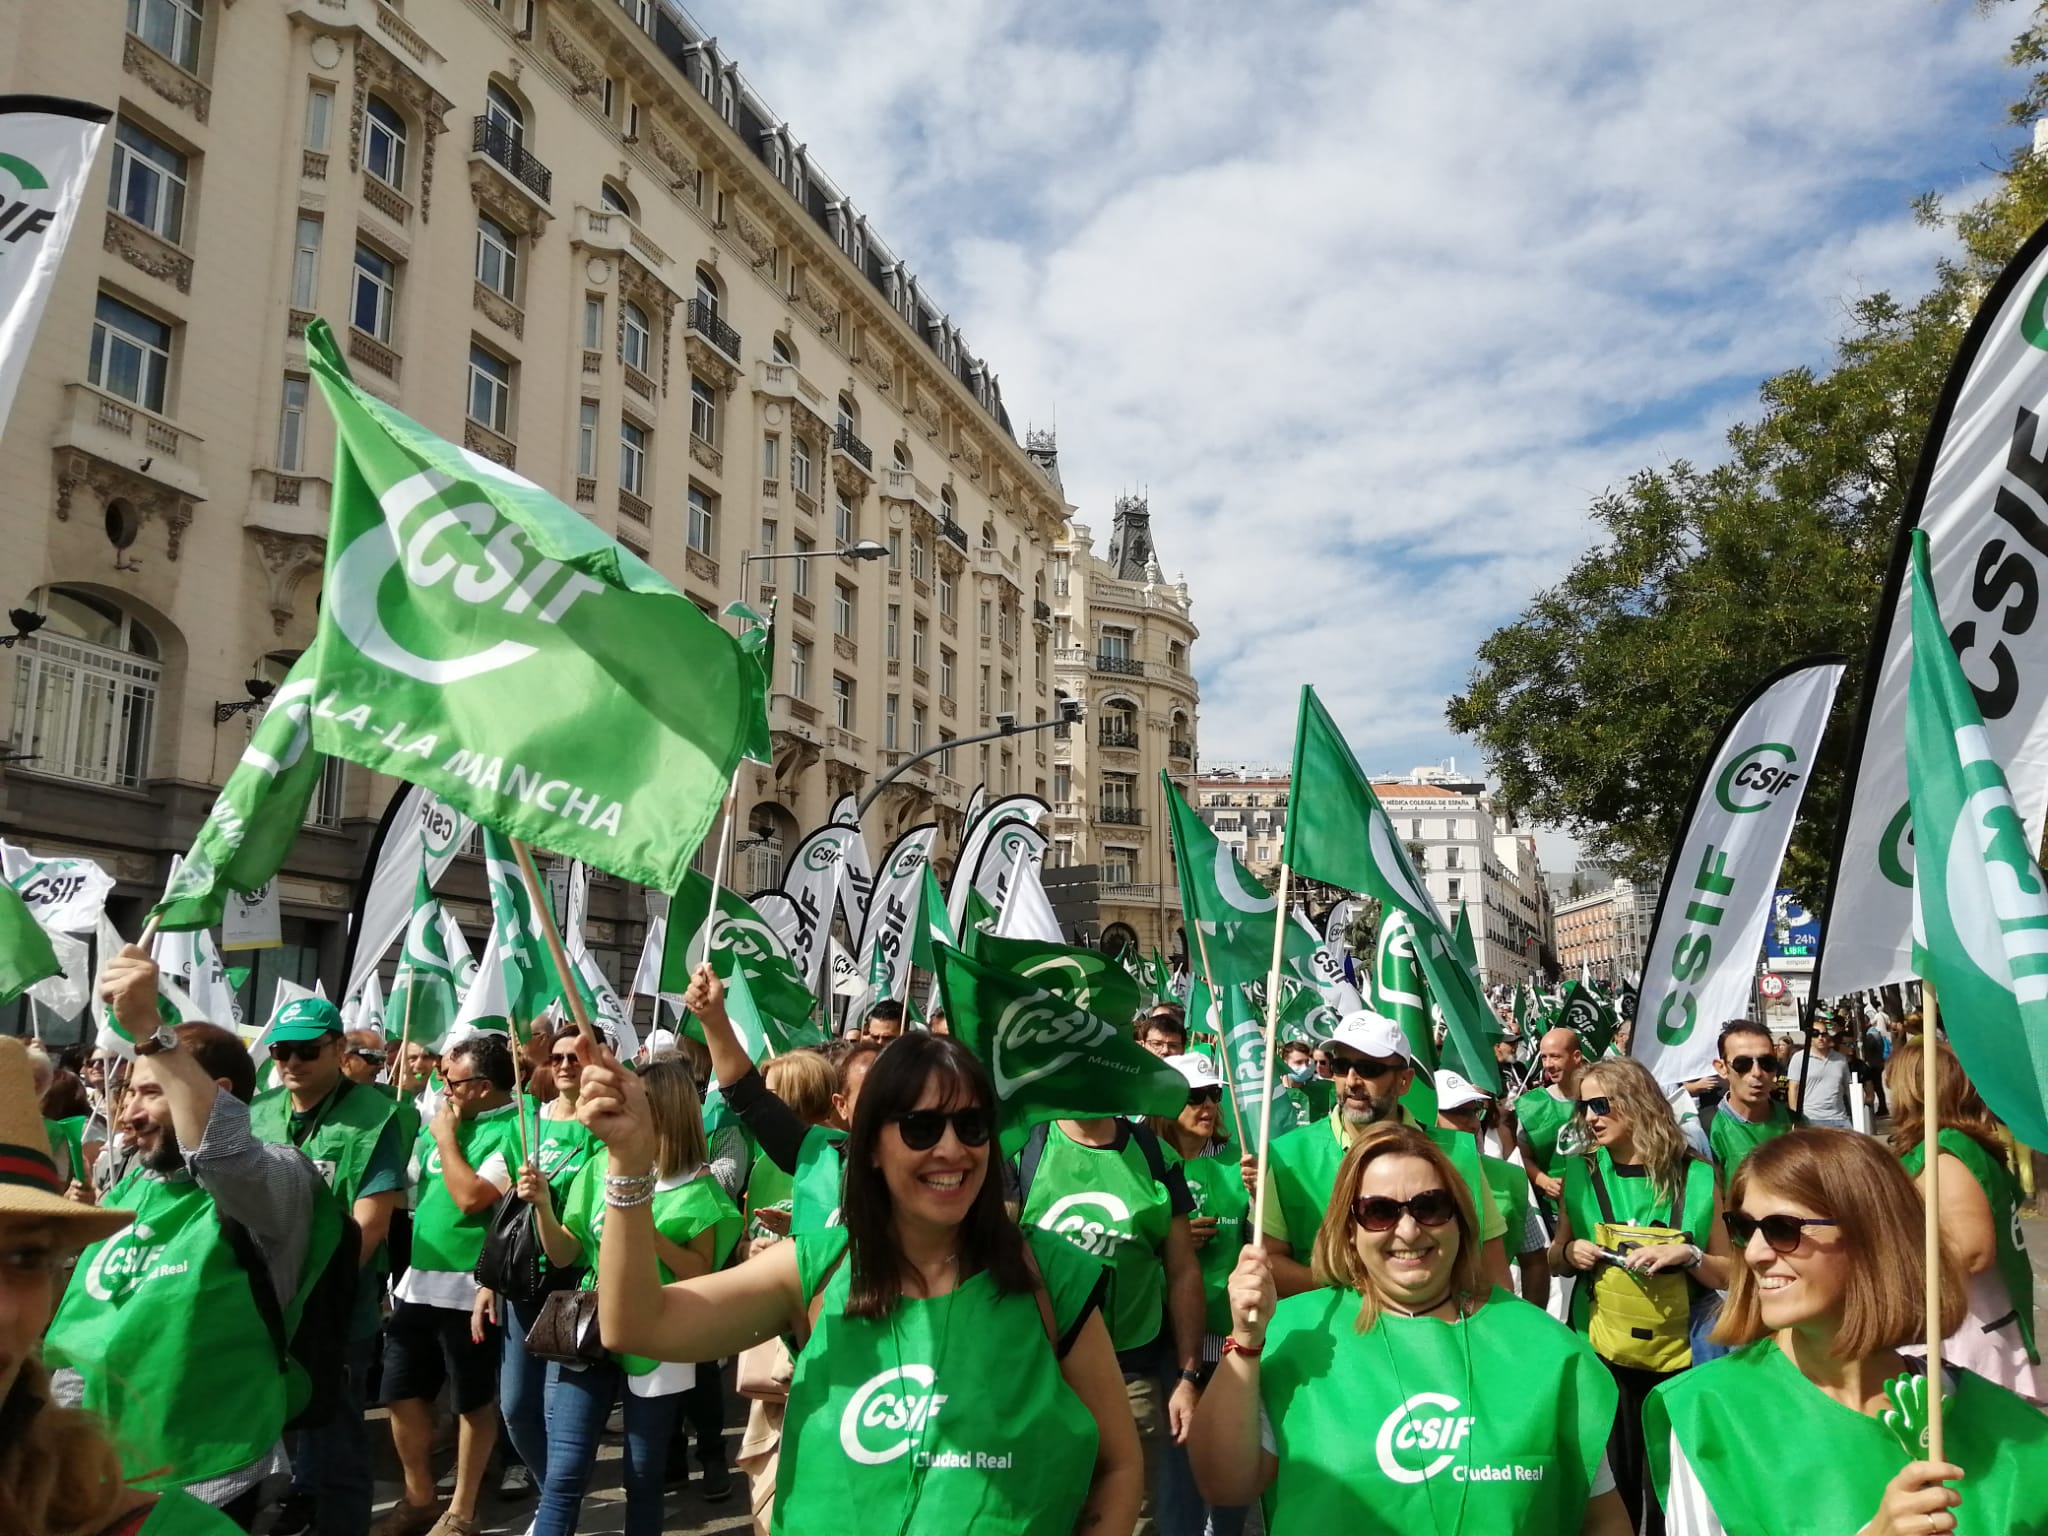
(625,1190)
(627,1202)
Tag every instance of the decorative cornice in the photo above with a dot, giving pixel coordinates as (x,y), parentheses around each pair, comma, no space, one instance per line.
(638,283)
(165,78)
(379,68)
(109,481)
(709,364)
(286,557)
(588,73)
(147,252)
(498,309)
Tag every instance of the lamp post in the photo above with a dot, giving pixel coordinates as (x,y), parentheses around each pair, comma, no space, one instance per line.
(1069,711)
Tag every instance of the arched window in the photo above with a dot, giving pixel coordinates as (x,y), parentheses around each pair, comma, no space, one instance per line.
(504,115)
(1117,723)
(800,466)
(902,456)
(85,691)
(948,504)
(635,338)
(384,142)
(849,415)
(612,197)
(707,293)
(988,535)
(781,350)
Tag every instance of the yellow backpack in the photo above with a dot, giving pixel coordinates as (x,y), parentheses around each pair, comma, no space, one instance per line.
(1636,1319)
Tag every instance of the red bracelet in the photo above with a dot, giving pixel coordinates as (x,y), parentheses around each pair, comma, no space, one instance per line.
(1250,1351)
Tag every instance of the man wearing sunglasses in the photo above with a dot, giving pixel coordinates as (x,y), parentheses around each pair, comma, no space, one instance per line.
(352,1134)
(1750,1115)
(1372,1069)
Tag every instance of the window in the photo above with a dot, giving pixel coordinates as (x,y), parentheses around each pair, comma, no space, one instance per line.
(609,197)
(703,411)
(171,27)
(946,756)
(376,295)
(642,12)
(849,416)
(845,525)
(1177,655)
(917,556)
(946,591)
(800,578)
(800,465)
(892,627)
(85,691)
(586,439)
(900,454)
(919,638)
(1451,856)
(1452,888)
(947,506)
(895,550)
(593,322)
(1116,644)
(800,666)
(1119,866)
(842,701)
(634,337)
(384,143)
(982,696)
(497,258)
(707,292)
(988,535)
(632,457)
(891,705)
(319,114)
(490,389)
(149,182)
(306,262)
(842,609)
(945,673)
(771,457)
(987,627)
(131,354)
(782,351)
(1062,783)
(503,115)
(610,93)
(917,728)
(703,521)
(1119,791)
(291,424)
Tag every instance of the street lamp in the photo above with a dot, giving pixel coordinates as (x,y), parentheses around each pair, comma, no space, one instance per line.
(1067,712)
(258,689)
(866,549)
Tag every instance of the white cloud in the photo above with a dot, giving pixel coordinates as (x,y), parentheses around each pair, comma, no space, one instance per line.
(1375,298)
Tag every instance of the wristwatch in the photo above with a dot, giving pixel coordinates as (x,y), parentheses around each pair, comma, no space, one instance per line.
(1193,1378)
(165,1039)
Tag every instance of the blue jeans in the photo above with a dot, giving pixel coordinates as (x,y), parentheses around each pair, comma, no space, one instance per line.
(1706,1311)
(522,1387)
(578,1404)
(1177,1507)
(331,1463)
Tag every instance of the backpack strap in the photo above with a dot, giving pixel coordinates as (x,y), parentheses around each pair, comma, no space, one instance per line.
(1148,1143)
(243,1246)
(1600,1191)
(1028,1158)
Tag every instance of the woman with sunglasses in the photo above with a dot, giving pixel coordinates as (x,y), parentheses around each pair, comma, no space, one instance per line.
(1830,1284)
(1638,1172)
(1377,1403)
(953,1374)
(1979,1219)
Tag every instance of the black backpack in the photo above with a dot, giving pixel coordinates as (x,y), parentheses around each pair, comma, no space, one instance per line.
(1033,1150)
(314,1355)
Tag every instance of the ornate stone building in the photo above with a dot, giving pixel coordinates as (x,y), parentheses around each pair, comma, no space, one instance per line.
(569,234)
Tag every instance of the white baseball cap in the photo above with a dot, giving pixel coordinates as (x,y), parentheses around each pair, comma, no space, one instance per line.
(1372,1034)
(1453,1092)
(1199,1070)
(657,1042)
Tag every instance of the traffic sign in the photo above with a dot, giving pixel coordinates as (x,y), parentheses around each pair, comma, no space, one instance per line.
(1771,984)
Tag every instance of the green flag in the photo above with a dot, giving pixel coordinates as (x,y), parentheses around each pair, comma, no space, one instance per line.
(531,984)
(479,638)
(1234,912)
(762,1033)
(1591,1017)
(26,954)
(1399,993)
(1338,832)
(773,983)
(933,927)
(259,811)
(1050,1058)
(1462,942)
(1980,908)
(423,997)
(1090,978)
(758,641)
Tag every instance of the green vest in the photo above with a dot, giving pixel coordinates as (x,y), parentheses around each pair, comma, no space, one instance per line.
(768,1189)
(1543,1117)
(1108,1205)
(679,1215)
(444,1240)
(408,1113)
(159,1323)
(950,1415)
(820,1174)
(179,1514)
(1304,1173)
(341,1135)
(565,1146)
(1415,1426)
(1509,1185)
(1736,1416)
(2013,1265)
(1634,1200)
(1734,1138)
(1218,1187)
(67,1142)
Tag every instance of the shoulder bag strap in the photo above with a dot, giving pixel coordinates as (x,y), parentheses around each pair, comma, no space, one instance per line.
(243,1246)
(1600,1190)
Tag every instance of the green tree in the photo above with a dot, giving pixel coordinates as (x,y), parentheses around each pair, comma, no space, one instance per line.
(1597,705)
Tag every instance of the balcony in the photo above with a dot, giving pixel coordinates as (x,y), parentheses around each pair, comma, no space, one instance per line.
(902,485)
(137,441)
(703,319)
(1041,611)
(948,529)
(1183,751)
(1120,816)
(1117,737)
(1123,666)
(1132,895)
(843,441)
(487,138)
(1070,656)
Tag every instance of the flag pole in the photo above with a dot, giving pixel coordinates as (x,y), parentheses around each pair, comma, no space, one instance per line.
(560,959)
(718,873)
(1272,1030)
(1930,1169)
(1230,1092)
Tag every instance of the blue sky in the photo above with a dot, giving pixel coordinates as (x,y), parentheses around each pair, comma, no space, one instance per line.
(1375,298)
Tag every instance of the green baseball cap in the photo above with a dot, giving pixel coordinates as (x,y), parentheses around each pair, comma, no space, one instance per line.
(306,1018)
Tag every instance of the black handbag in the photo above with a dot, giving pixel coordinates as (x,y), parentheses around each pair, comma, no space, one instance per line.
(512,1263)
(566,1330)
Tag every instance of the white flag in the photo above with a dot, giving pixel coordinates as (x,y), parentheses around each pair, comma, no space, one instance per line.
(647,979)
(423,826)
(47,146)
(1027,913)
(63,895)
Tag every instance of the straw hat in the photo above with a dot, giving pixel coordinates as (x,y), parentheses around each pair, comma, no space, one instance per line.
(28,1173)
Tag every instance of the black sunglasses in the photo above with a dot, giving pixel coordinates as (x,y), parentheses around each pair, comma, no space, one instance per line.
(922,1128)
(1367,1067)
(565,1059)
(1379,1213)
(297,1050)
(375,1058)
(1783,1233)
(460,1082)
(1742,1065)
(1205,1096)
(1599,1104)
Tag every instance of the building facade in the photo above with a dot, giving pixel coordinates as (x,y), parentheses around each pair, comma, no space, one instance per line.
(569,235)
(1606,931)
(1246,807)
(1123,639)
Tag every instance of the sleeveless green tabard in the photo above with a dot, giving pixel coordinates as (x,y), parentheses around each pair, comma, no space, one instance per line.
(1543,1117)
(408,1113)
(444,1240)
(680,1214)
(565,1146)
(342,1134)
(1634,1200)
(1415,1426)
(1509,1184)
(1304,1173)
(949,1416)
(156,1318)
(1107,1204)
(1218,1187)
(768,1189)
(1734,1138)
(1736,1417)
(2014,1266)
(815,1186)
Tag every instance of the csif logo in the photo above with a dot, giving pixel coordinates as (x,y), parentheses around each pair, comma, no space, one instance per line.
(1409,1437)
(1764,771)
(887,1410)
(122,1262)
(1042,1023)
(24,216)
(1091,1234)
(438,826)
(2009,941)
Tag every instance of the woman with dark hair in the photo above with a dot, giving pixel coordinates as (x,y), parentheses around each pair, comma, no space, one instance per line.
(951,1374)
(1405,1392)
(1979,1219)
(1831,1283)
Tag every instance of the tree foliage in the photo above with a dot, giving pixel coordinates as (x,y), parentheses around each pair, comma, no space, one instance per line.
(1597,705)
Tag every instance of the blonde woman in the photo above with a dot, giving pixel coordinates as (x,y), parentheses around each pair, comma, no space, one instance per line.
(1979,1220)
(1376,1404)
(1640,1219)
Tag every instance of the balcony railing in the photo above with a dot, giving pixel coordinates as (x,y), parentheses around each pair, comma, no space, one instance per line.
(1121,815)
(1111,736)
(705,322)
(1180,749)
(1127,666)
(1041,611)
(948,529)
(487,138)
(845,442)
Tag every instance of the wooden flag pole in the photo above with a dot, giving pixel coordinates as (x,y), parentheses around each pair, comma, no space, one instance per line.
(1222,1049)
(1272,1030)
(1930,1172)
(718,873)
(553,938)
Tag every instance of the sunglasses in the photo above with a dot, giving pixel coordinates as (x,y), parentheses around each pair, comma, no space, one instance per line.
(1365,1066)
(1599,1104)
(1204,1096)
(1378,1213)
(922,1128)
(1783,1233)
(375,1058)
(1741,1066)
(565,1059)
(452,1083)
(297,1050)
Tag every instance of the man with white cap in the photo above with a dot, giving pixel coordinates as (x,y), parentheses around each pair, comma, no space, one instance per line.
(1372,1067)
(1462,1107)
